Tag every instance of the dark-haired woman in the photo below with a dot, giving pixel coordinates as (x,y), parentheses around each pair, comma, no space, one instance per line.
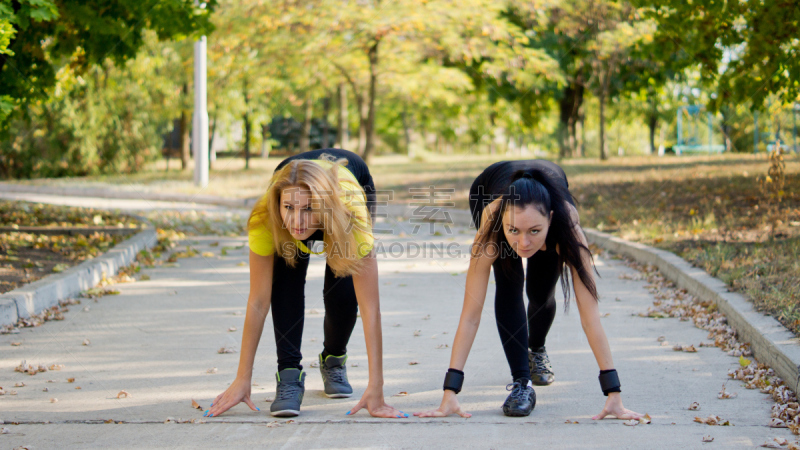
(523,209)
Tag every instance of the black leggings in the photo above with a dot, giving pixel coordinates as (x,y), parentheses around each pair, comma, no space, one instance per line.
(338,294)
(288,309)
(520,331)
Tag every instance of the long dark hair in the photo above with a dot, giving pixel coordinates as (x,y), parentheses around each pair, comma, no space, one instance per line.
(540,189)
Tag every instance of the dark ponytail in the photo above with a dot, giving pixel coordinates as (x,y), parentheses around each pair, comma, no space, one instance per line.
(546,193)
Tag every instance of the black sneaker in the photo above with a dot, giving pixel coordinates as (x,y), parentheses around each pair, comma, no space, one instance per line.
(541,371)
(334,376)
(521,400)
(289,394)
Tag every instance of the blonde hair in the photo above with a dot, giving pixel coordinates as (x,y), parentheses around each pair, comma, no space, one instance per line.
(340,225)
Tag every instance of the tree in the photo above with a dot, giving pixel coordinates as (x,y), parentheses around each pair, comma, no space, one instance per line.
(748,49)
(44,32)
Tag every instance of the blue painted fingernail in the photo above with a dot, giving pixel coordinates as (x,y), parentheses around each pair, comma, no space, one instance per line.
(347,413)
(405,415)
(258,409)
(210,415)
(205,414)
(212,404)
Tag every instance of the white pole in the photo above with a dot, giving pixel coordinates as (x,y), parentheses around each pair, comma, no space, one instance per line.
(200,117)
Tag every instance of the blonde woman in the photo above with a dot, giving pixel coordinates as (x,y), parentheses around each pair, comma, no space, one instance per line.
(322,195)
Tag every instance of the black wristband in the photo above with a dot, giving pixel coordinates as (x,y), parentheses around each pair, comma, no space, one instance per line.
(609,381)
(453,380)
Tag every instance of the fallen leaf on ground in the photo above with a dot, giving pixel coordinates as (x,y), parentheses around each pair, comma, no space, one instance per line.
(400,394)
(571,422)
(77,387)
(232,329)
(710,420)
(694,406)
(241,263)
(4,431)
(442,346)
(226,350)
(70,380)
(355,364)
(53,400)
(417,332)
(144,277)
(777,423)
(212,370)
(677,347)
(269,399)
(708,439)
(413,363)
(16,344)
(771,444)
(631,423)
(645,419)
(661,338)
(56,367)
(20,384)
(86,342)
(690,349)
(428,317)
(45,390)
(723,394)
(123,394)
(196,405)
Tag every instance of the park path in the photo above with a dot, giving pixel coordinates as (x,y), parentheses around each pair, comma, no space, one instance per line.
(159,338)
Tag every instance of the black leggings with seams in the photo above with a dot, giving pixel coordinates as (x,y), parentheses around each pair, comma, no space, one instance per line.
(338,294)
(518,330)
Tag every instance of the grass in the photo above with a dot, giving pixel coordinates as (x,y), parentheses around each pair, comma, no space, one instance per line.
(708,209)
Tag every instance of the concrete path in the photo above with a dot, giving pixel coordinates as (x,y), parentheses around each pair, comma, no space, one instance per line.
(158,339)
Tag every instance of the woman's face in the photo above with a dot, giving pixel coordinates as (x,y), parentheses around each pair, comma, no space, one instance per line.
(525,229)
(297,214)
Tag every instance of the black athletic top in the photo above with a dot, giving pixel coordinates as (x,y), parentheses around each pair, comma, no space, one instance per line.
(495,179)
(355,164)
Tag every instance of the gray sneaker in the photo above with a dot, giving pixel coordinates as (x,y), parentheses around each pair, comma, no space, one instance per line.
(289,394)
(541,370)
(334,376)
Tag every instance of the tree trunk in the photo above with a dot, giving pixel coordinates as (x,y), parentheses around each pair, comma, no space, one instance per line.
(265,144)
(362,125)
(305,138)
(407,131)
(566,106)
(604,82)
(212,155)
(373,83)
(342,136)
(326,111)
(580,133)
(247,126)
(652,124)
(185,150)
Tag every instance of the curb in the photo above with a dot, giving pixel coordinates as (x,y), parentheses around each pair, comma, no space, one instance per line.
(770,341)
(47,292)
(131,195)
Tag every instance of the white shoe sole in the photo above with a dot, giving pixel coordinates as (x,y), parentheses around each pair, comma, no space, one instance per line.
(285,413)
(339,395)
